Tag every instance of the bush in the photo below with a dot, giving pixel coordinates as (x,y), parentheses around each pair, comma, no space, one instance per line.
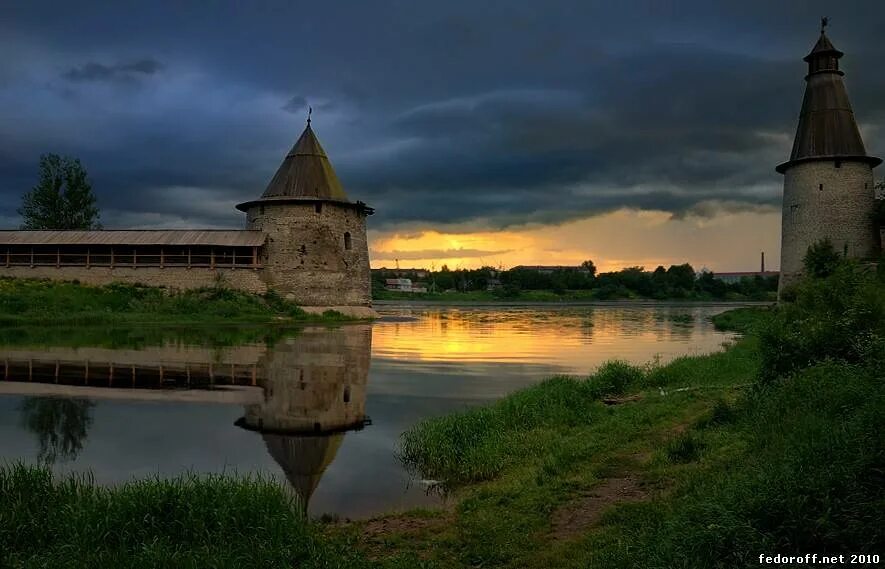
(840,317)
(821,259)
(613,378)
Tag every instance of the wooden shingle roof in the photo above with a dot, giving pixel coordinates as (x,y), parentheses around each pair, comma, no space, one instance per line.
(827,128)
(306,173)
(218,237)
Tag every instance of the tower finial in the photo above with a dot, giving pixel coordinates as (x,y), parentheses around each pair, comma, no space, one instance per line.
(823,23)
(309,112)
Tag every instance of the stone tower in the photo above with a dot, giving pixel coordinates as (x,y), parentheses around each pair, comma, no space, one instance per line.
(316,251)
(828,180)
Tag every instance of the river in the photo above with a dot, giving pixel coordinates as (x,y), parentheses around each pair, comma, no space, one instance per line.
(319,407)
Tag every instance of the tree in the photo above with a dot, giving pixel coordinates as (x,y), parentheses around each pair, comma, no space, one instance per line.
(821,259)
(62,198)
(590,267)
(681,276)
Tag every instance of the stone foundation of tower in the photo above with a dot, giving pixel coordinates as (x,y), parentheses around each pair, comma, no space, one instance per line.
(316,253)
(822,201)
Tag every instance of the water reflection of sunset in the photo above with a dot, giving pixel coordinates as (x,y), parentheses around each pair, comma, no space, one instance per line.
(574,339)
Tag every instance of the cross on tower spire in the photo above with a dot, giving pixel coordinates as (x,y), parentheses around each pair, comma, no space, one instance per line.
(309,112)
(823,23)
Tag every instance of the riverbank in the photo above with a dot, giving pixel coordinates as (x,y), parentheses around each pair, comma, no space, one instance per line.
(706,461)
(34,302)
(637,302)
(579,297)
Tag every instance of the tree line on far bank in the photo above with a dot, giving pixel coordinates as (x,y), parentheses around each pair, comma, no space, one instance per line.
(677,281)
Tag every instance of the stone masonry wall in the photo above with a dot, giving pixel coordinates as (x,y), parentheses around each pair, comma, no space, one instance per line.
(305,258)
(823,201)
(248,280)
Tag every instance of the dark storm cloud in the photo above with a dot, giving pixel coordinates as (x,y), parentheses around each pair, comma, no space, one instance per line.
(93,71)
(491,115)
(296,104)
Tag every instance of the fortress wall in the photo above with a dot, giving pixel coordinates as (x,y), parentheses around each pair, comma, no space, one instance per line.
(822,201)
(248,280)
(305,258)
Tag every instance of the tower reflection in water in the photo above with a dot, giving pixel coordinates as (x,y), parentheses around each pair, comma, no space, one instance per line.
(300,390)
(314,391)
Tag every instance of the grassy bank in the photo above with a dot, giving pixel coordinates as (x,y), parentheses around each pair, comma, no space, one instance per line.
(34,301)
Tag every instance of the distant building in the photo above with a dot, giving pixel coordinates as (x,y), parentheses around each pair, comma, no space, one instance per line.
(404,285)
(405,273)
(735,277)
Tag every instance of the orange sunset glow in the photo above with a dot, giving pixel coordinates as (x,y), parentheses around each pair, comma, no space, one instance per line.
(723,242)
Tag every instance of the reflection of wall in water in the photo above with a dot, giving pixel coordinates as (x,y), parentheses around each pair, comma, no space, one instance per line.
(314,382)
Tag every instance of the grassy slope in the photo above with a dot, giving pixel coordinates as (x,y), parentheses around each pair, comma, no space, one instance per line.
(32,301)
(512,464)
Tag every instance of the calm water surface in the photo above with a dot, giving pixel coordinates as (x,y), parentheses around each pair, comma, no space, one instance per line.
(319,407)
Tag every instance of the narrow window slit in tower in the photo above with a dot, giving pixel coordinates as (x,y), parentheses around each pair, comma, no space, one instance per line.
(821,187)
(347,241)
(318,207)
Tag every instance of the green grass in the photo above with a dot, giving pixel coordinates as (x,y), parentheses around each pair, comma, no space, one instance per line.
(741,319)
(206,521)
(35,301)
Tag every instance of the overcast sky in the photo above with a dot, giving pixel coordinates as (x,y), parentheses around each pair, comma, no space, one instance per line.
(462,122)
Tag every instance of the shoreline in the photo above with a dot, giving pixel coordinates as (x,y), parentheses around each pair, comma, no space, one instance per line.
(555,303)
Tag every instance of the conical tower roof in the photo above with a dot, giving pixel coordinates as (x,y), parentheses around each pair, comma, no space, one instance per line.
(306,173)
(827,128)
(303,459)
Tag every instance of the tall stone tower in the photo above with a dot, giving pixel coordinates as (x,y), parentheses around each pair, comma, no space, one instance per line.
(828,180)
(316,251)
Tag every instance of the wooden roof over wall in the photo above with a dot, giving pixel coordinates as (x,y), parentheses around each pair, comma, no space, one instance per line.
(170,237)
